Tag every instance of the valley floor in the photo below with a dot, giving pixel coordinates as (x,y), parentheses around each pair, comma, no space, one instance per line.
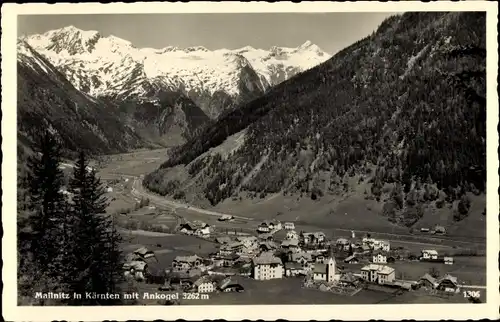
(471,270)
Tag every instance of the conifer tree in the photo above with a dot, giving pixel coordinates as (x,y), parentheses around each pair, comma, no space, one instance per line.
(47,206)
(97,265)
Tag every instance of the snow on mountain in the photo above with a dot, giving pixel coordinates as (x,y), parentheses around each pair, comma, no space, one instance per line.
(113,67)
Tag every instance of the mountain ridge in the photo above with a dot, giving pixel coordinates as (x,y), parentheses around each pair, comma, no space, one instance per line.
(113,67)
(384,118)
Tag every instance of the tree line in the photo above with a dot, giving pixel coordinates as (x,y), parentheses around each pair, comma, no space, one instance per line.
(66,242)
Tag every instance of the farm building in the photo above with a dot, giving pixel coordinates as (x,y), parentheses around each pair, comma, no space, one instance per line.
(289,226)
(448,283)
(448,260)
(348,280)
(292,234)
(313,238)
(427,281)
(290,244)
(230,284)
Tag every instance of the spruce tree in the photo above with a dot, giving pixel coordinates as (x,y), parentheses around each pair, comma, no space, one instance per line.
(97,265)
(47,206)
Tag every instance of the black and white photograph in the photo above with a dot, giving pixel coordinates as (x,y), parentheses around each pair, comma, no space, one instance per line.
(252,159)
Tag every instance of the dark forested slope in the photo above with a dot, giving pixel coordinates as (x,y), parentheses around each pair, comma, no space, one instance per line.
(404,106)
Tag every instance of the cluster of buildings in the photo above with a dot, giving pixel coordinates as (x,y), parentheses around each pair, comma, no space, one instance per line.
(267,257)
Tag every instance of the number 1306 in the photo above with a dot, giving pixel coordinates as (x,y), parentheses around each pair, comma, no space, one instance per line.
(474,294)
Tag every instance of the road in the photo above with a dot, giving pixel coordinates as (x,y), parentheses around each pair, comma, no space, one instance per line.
(139,191)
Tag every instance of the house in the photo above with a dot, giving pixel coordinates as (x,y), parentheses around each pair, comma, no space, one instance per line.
(427,281)
(223,240)
(275,225)
(343,244)
(448,284)
(294,269)
(247,241)
(267,266)
(292,234)
(267,246)
(230,284)
(203,232)
(348,280)
(266,236)
(289,226)
(234,247)
(183,263)
(378,274)
(351,260)
(263,228)
(319,258)
(439,230)
(424,230)
(379,258)
(229,260)
(325,272)
(304,259)
(135,270)
(290,244)
(313,238)
(225,218)
(109,189)
(429,254)
(144,253)
(391,259)
(384,245)
(204,285)
(448,260)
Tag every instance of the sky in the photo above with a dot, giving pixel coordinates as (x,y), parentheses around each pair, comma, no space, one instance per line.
(330,31)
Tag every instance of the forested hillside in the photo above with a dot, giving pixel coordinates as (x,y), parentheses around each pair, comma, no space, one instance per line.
(403,108)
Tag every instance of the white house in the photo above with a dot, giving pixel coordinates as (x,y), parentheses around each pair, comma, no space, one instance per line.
(204,285)
(378,273)
(182,263)
(379,258)
(325,272)
(384,245)
(203,232)
(267,266)
(289,226)
(313,238)
(109,189)
(263,228)
(448,260)
(292,234)
(429,254)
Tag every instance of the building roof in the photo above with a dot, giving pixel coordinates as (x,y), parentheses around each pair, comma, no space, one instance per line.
(380,269)
(223,240)
(348,278)
(320,268)
(342,241)
(430,251)
(429,278)
(292,265)
(266,259)
(142,251)
(288,223)
(290,242)
(348,259)
(297,256)
(202,280)
(246,238)
(450,278)
(265,236)
(187,259)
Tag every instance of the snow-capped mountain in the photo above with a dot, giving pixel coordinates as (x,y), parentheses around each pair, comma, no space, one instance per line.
(47,100)
(214,80)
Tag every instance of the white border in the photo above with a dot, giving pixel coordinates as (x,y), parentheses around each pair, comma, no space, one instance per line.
(268,312)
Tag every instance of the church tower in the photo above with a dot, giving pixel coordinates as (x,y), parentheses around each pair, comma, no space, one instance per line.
(330,267)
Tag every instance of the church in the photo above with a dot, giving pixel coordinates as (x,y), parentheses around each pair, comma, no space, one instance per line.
(327,271)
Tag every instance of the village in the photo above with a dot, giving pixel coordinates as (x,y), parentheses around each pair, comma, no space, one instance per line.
(276,251)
